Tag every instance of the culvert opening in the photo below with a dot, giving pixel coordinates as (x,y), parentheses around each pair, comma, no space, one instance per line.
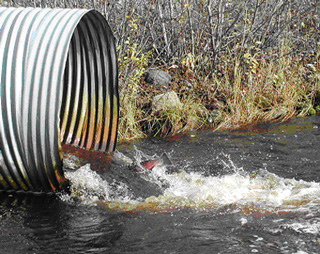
(59,85)
(89,109)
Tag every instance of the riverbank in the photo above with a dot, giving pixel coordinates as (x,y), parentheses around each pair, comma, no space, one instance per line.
(244,89)
(230,63)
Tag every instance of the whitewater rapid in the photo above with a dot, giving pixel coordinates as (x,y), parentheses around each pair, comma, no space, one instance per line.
(260,190)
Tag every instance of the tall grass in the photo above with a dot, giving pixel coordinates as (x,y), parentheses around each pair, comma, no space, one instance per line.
(276,90)
(245,89)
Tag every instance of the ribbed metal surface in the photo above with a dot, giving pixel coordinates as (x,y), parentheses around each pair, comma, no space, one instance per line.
(59,84)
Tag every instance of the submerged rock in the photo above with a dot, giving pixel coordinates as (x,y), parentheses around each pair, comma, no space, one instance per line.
(157,77)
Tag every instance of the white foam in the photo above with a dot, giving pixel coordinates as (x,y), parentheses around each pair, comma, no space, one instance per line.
(263,189)
(305,227)
(89,187)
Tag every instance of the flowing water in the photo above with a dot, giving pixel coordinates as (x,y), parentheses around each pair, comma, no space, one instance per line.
(256,190)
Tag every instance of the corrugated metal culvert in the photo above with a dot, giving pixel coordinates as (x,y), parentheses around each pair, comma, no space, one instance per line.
(59,84)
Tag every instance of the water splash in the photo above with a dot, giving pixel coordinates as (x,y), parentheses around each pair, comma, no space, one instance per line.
(263,191)
(89,187)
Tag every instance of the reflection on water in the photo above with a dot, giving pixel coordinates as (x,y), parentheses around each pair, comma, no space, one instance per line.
(256,190)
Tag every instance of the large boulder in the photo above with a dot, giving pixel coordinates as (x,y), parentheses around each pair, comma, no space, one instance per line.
(157,77)
(168,100)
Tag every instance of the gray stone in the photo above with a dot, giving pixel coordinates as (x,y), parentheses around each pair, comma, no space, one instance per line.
(166,101)
(157,77)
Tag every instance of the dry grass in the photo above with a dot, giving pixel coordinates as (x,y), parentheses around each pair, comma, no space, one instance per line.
(245,89)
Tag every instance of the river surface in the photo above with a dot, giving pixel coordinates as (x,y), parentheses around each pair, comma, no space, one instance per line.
(255,190)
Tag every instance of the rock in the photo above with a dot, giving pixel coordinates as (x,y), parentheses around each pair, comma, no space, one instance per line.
(166,101)
(157,77)
(215,117)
